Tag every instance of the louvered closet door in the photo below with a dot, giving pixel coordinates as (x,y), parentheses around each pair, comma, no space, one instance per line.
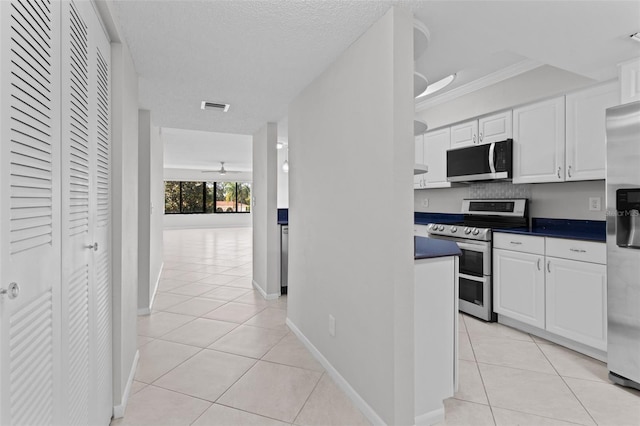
(30,212)
(86,283)
(77,234)
(100,49)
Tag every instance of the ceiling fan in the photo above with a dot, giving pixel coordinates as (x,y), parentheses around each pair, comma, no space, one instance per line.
(221,171)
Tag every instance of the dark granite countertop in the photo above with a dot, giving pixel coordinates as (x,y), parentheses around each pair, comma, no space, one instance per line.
(429,248)
(586,230)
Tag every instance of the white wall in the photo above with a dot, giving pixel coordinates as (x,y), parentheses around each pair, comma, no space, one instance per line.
(125,218)
(266,237)
(348,257)
(283,181)
(156,191)
(150,197)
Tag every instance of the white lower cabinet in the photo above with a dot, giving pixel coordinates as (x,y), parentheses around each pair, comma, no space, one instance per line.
(518,286)
(566,296)
(577,301)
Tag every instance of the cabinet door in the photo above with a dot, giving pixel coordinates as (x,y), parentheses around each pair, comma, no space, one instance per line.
(518,286)
(464,134)
(585,120)
(495,127)
(436,144)
(576,294)
(418,180)
(630,81)
(538,142)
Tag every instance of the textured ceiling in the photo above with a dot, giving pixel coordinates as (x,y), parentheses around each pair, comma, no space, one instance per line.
(193,149)
(258,55)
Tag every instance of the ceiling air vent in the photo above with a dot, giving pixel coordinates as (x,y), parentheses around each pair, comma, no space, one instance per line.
(214,105)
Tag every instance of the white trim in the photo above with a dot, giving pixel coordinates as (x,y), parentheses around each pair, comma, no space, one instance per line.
(202,226)
(488,80)
(118,410)
(264,294)
(430,418)
(342,383)
(562,341)
(147,311)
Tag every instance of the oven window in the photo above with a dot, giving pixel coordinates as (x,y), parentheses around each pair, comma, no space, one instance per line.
(471,291)
(471,263)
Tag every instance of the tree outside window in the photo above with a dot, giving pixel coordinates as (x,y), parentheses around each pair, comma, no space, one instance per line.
(207,197)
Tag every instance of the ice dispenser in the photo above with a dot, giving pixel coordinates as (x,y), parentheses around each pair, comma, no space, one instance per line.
(628,218)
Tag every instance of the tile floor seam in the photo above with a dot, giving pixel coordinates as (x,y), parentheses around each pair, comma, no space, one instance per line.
(484,387)
(250,412)
(544,417)
(307,399)
(173,368)
(569,387)
(555,374)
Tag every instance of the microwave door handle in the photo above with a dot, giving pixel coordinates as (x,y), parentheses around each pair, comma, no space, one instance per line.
(492,160)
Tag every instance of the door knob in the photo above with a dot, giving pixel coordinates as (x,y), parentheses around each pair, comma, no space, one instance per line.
(13,291)
(93,246)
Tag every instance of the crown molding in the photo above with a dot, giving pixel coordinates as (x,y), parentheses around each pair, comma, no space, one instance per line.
(488,80)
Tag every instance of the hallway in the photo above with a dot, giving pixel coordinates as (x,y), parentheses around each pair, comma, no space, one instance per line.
(214,352)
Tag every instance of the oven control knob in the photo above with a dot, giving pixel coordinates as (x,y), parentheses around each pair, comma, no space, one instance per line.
(467,230)
(476,231)
(441,228)
(453,229)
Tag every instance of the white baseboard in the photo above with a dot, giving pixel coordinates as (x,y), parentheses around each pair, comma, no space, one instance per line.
(562,341)
(147,311)
(264,294)
(342,383)
(430,418)
(118,410)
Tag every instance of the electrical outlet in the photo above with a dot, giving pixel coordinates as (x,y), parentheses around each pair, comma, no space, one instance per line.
(594,204)
(332,326)
(425,202)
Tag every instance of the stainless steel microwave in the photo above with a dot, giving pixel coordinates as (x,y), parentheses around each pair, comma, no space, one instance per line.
(490,161)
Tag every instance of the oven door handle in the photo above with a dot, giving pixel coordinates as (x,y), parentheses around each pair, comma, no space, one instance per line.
(479,246)
(481,279)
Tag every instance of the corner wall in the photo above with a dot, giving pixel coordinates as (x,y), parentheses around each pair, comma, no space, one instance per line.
(124,176)
(266,237)
(150,207)
(350,256)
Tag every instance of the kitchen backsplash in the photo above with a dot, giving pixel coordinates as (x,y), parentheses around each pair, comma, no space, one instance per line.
(498,190)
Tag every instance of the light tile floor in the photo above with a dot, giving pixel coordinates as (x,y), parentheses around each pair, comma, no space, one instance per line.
(214,352)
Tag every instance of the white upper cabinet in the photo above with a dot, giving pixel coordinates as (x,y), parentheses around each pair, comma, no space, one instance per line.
(487,129)
(436,144)
(630,81)
(495,127)
(539,142)
(586,136)
(464,134)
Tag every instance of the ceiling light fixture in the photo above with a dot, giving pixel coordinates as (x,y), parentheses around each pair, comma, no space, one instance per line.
(438,85)
(635,36)
(214,105)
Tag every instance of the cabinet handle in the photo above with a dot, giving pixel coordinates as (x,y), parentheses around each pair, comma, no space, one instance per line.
(474,138)
(577,250)
(539,264)
(549,265)
(481,137)
(569,171)
(517,243)
(559,173)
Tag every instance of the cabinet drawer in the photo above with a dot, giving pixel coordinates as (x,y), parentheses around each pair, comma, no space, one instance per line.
(586,251)
(517,242)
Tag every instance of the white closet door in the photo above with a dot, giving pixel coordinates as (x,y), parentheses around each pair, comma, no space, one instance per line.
(77,224)
(101,313)
(30,199)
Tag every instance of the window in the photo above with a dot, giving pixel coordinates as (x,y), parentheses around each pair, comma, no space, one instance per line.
(207,197)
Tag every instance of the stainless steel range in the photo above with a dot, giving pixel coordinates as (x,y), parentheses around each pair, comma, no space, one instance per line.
(474,236)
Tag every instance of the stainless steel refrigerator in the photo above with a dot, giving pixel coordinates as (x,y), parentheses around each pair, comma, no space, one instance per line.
(623,244)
